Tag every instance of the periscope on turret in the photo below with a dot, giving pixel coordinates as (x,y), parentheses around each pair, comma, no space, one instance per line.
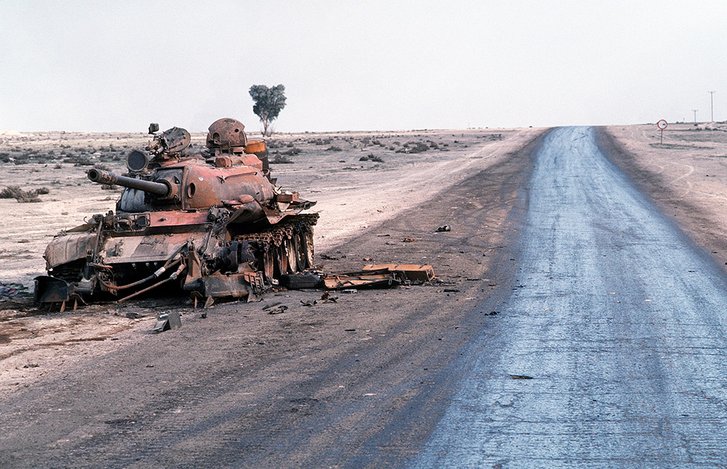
(211,224)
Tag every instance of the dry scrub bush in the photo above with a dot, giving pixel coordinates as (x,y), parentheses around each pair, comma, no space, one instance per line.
(15,192)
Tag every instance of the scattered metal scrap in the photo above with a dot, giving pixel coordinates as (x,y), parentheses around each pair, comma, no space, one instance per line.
(370,276)
(166,321)
(412,274)
(361,279)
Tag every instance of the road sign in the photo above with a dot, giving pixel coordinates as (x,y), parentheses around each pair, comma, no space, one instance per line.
(661,124)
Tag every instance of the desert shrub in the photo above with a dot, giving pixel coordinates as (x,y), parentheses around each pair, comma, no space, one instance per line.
(22,159)
(292,152)
(281,159)
(15,192)
(413,147)
(10,192)
(371,157)
(78,159)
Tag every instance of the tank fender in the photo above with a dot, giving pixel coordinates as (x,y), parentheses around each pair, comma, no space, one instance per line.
(68,247)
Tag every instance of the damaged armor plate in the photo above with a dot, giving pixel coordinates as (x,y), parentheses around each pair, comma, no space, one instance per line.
(213,225)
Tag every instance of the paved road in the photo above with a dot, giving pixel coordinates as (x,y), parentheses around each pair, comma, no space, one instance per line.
(611,351)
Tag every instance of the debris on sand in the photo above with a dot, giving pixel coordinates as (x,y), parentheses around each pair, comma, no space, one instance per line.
(370,276)
(380,276)
(167,321)
(410,273)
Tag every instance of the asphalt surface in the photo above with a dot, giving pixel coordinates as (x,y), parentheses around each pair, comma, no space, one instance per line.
(611,350)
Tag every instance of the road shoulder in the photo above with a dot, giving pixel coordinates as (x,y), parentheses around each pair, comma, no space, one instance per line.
(699,217)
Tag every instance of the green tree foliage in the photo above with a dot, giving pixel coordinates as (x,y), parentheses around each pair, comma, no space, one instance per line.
(269,101)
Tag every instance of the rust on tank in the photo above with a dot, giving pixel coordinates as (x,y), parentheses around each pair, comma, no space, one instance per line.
(212,224)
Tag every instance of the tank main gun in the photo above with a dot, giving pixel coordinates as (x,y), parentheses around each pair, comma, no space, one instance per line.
(104,177)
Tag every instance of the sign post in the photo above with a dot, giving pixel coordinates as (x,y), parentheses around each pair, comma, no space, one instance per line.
(662,125)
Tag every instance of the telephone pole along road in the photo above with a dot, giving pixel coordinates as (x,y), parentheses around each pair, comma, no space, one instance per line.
(612,350)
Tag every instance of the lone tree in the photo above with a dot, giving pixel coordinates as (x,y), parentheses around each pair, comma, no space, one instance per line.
(268,104)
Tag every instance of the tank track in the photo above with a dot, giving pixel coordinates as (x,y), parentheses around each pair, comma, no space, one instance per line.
(284,248)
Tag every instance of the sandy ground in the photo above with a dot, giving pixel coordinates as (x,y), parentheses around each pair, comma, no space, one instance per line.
(400,171)
(686,176)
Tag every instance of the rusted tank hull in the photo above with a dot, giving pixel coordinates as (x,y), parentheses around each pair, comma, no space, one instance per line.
(194,258)
(213,224)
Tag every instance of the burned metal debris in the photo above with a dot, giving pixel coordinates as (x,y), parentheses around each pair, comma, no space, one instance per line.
(167,321)
(370,276)
(211,224)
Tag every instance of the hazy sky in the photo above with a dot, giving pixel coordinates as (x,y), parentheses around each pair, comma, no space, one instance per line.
(360,65)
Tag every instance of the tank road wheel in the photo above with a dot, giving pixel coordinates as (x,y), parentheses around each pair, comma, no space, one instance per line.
(292,256)
(281,260)
(299,258)
(269,263)
(306,248)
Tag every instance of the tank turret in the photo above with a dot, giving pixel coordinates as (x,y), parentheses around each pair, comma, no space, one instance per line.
(210,223)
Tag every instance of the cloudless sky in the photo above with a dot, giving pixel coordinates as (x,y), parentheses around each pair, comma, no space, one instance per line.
(360,65)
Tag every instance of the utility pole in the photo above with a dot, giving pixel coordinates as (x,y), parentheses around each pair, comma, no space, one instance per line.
(711,103)
(695,115)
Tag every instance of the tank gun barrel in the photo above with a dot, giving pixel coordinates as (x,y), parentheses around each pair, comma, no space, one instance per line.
(105,177)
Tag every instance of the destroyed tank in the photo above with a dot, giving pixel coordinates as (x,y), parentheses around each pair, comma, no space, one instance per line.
(212,224)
